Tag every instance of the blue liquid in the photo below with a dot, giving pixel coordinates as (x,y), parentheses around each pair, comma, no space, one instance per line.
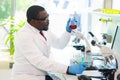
(83,59)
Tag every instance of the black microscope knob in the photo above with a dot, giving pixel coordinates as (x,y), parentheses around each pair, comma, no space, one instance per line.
(118,77)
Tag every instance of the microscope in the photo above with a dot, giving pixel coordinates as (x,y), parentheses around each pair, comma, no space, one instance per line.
(110,61)
(110,64)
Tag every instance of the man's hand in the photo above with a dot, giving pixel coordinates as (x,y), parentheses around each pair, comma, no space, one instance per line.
(68,29)
(76,69)
(71,24)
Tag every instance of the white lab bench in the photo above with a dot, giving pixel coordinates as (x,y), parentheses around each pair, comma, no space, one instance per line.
(97,75)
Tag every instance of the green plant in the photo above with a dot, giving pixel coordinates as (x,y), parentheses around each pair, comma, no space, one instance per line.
(13,28)
(9,24)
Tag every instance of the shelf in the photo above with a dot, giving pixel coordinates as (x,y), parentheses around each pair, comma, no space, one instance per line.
(106,15)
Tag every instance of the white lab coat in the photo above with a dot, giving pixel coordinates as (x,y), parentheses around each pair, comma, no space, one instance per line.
(32,53)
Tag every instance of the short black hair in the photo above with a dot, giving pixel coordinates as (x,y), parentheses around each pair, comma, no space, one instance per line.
(33,11)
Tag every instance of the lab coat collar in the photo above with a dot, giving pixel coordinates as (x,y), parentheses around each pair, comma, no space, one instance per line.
(33,28)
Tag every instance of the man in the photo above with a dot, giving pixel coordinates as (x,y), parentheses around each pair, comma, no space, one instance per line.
(32,48)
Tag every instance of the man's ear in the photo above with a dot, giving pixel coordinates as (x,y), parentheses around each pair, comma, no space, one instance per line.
(33,22)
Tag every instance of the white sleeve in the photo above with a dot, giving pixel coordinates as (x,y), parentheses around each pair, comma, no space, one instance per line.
(59,42)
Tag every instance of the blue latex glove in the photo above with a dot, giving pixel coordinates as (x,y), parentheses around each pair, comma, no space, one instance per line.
(69,22)
(77,68)
(68,26)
